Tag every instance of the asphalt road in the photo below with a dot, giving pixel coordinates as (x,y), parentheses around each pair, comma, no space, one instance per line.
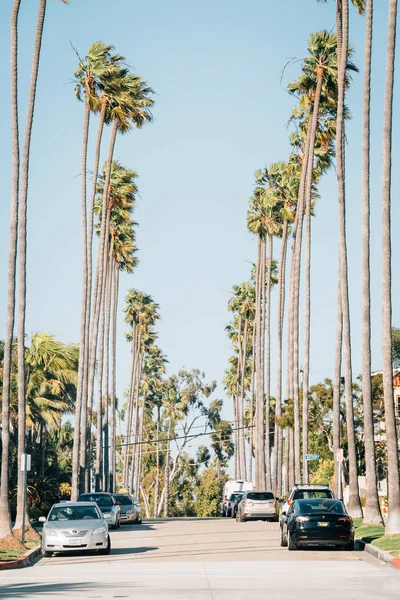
(204,560)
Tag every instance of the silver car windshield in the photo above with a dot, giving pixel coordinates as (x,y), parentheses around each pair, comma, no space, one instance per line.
(74,513)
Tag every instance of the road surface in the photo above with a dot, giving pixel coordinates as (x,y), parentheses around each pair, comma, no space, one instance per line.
(203,560)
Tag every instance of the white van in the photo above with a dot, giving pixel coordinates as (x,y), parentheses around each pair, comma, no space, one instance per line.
(230,488)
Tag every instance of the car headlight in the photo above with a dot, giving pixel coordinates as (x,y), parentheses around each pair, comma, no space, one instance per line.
(50,531)
(108,515)
(99,530)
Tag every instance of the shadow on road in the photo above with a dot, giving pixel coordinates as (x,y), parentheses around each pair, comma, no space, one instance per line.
(22,590)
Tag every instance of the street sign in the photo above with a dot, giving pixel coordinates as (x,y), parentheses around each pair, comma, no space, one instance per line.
(312,457)
(25,462)
(339,454)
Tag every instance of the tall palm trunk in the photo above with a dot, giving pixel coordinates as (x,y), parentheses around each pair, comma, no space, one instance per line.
(166,475)
(100,373)
(239,413)
(336,389)
(305,198)
(113,435)
(354,505)
(393,521)
(278,405)
(307,327)
(241,400)
(251,420)
(236,437)
(22,242)
(5,518)
(268,481)
(108,298)
(259,447)
(372,512)
(87,227)
(292,385)
(292,480)
(130,407)
(157,484)
(139,414)
(286,462)
(82,351)
(95,317)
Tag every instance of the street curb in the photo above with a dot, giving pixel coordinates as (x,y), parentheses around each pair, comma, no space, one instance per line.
(22,561)
(378,553)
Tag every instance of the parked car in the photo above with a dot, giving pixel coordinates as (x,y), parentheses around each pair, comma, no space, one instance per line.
(258,504)
(305,491)
(75,526)
(230,488)
(317,522)
(138,510)
(235,499)
(108,506)
(129,508)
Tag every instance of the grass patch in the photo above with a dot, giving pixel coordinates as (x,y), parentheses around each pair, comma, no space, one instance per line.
(6,555)
(390,543)
(369,533)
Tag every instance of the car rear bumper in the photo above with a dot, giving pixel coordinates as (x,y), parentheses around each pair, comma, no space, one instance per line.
(267,513)
(131,518)
(315,539)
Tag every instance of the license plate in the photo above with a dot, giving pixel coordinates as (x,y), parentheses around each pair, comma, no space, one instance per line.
(75,542)
(323,524)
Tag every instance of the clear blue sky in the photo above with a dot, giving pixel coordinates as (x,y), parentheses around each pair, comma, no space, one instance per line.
(221,112)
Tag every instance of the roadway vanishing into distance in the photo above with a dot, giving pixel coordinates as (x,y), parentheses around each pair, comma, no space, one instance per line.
(215,559)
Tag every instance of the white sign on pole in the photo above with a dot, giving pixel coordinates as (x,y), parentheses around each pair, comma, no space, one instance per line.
(25,460)
(339,454)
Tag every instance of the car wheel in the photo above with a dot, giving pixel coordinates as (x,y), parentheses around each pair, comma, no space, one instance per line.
(276,519)
(119,523)
(105,551)
(283,539)
(47,554)
(290,543)
(350,546)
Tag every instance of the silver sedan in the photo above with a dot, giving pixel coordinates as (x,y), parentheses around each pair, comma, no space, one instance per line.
(72,526)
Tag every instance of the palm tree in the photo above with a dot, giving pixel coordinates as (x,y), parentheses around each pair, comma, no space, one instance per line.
(5,518)
(372,512)
(393,521)
(97,65)
(255,223)
(22,224)
(129,105)
(354,505)
(319,73)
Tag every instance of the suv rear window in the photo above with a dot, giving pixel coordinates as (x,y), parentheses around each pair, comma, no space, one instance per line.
(102,500)
(305,494)
(260,496)
(236,496)
(124,500)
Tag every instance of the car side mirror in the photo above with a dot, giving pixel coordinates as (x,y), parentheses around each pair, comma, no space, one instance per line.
(42,519)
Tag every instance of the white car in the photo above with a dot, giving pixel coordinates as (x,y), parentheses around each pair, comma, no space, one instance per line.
(72,526)
(305,491)
(258,504)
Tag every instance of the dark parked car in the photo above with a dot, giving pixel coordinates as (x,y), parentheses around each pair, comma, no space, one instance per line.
(130,509)
(108,506)
(235,503)
(317,522)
